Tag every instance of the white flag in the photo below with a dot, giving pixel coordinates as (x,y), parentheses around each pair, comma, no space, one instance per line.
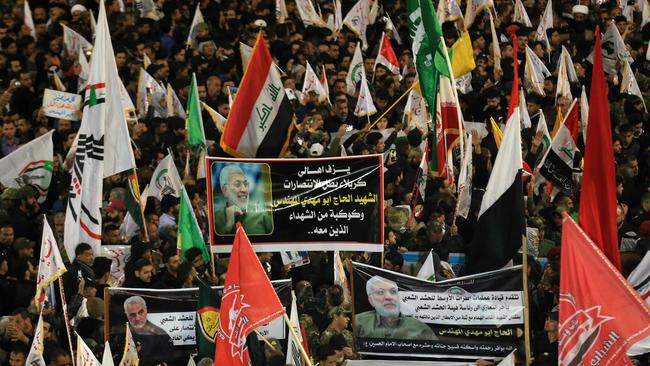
(465,180)
(645,16)
(281,13)
(308,13)
(82,80)
(339,276)
(508,360)
(50,265)
(614,49)
(103,147)
(246,51)
(496,50)
(130,357)
(165,180)
(293,347)
(354,72)
(365,106)
(357,19)
(323,82)
(521,16)
(423,169)
(416,110)
(85,356)
(566,74)
(535,72)
(198,18)
(474,7)
(217,118)
(544,24)
(448,10)
(30,164)
(35,356)
(523,111)
(311,83)
(148,85)
(427,272)
(74,42)
(391,27)
(107,358)
(584,114)
(629,84)
(338,16)
(28,20)
(174,106)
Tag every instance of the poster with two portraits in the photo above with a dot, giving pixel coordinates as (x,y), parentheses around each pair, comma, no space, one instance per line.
(466,318)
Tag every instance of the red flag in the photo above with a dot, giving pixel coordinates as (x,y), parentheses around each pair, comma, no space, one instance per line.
(386,56)
(601,315)
(248,301)
(597,214)
(571,121)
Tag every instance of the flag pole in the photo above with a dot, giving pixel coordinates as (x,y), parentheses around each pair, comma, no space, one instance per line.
(265,340)
(303,353)
(391,106)
(64,305)
(524,273)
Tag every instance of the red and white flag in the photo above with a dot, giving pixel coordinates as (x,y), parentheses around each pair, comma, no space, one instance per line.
(261,116)
(50,265)
(386,56)
(448,127)
(248,302)
(601,315)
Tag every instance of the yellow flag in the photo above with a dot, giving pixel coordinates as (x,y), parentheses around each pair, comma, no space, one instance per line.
(496,131)
(462,55)
(558,121)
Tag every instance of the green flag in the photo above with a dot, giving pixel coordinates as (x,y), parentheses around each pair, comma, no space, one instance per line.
(194,121)
(189,234)
(207,319)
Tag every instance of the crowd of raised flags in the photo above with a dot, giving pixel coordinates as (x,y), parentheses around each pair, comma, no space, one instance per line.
(602,316)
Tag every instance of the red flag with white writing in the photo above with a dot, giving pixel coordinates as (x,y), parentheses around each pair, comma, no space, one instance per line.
(601,315)
(248,301)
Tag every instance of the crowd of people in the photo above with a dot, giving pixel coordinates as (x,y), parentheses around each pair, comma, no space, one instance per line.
(32,61)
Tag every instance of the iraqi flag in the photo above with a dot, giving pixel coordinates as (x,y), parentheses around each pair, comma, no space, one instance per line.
(601,316)
(500,225)
(103,144)
(261,117)
(31,164)
(557,165)
(386,56)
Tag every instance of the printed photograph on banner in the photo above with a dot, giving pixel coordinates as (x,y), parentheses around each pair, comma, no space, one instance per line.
(242,194)
(471,317)
(163,322)
(294,205)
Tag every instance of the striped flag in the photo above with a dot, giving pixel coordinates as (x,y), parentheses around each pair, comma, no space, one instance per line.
(103,125)
(557,164)
(386,56)
(261,118)
(31,164)
(501,216)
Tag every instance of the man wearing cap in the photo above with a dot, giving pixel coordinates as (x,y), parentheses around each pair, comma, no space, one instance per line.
(339,320)
(234,186)
(21,266)
(546,341)
(387,320)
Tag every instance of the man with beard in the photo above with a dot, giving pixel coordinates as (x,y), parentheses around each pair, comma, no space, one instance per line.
(234,186)
(387,321)
(153,342)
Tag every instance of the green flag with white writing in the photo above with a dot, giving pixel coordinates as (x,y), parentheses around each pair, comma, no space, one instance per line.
(189,233)
(194,121)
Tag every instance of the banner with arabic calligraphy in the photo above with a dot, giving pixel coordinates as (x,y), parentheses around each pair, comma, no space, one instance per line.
(58,104)
(479,316)
(297,204)
(173,312)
